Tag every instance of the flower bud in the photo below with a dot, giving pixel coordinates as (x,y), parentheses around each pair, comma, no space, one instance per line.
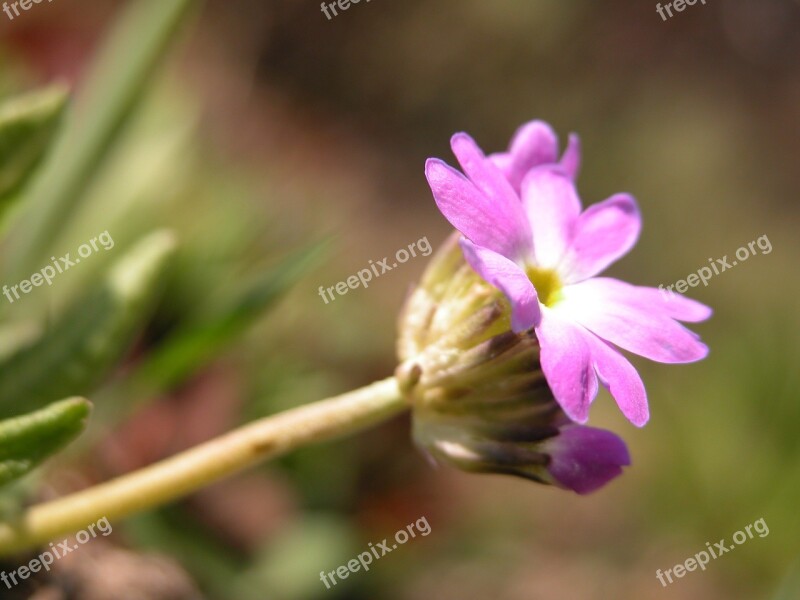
(480,399)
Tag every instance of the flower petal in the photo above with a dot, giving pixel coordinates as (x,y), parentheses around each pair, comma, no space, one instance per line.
(584,459)
(534,144)
(566,362)
(510,279)
(553,208)
(482,171)
(676,306)
(629,323)
(571,159)
(621,379)
(648,299)
(505,162)
(499,226)
(603,233)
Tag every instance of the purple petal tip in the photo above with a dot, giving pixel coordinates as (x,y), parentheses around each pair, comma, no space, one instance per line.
(584,459)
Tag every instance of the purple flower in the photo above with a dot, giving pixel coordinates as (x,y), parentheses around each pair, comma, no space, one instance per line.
(526,234)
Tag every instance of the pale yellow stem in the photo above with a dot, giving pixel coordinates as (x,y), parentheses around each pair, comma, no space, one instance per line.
(202,465)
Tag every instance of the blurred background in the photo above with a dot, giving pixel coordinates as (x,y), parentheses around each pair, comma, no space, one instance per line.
(270,129)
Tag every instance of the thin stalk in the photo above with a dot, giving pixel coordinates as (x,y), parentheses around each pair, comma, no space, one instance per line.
(202,465)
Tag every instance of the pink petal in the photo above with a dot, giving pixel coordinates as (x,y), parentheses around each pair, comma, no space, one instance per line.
(629,323)
(505,162)
(493,223)
(510,279)
(482,171)
(553,208)
(567,364)
(571,159)
(605,232)
(533,144)
(675,305)
(621,379)
(648,299)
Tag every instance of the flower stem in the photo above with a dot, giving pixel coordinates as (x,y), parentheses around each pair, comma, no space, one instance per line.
(202,465)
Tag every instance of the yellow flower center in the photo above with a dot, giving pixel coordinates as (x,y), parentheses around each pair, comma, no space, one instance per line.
(547,283)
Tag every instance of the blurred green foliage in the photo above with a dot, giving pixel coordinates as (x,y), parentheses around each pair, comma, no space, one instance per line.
(102,313)
(26,441)
(27,126)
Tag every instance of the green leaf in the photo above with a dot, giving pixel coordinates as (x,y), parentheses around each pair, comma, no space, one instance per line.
(196,343)
(27,126)
(85,343)
(127,62)
(28,440)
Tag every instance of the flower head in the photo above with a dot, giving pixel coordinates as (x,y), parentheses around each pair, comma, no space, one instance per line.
(480,400)
(525,233)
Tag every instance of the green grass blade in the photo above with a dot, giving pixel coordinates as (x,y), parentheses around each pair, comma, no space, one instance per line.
(28,440)
(127,62)
(28,124)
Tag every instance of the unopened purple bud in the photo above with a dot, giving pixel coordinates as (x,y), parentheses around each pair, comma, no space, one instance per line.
(584,459)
